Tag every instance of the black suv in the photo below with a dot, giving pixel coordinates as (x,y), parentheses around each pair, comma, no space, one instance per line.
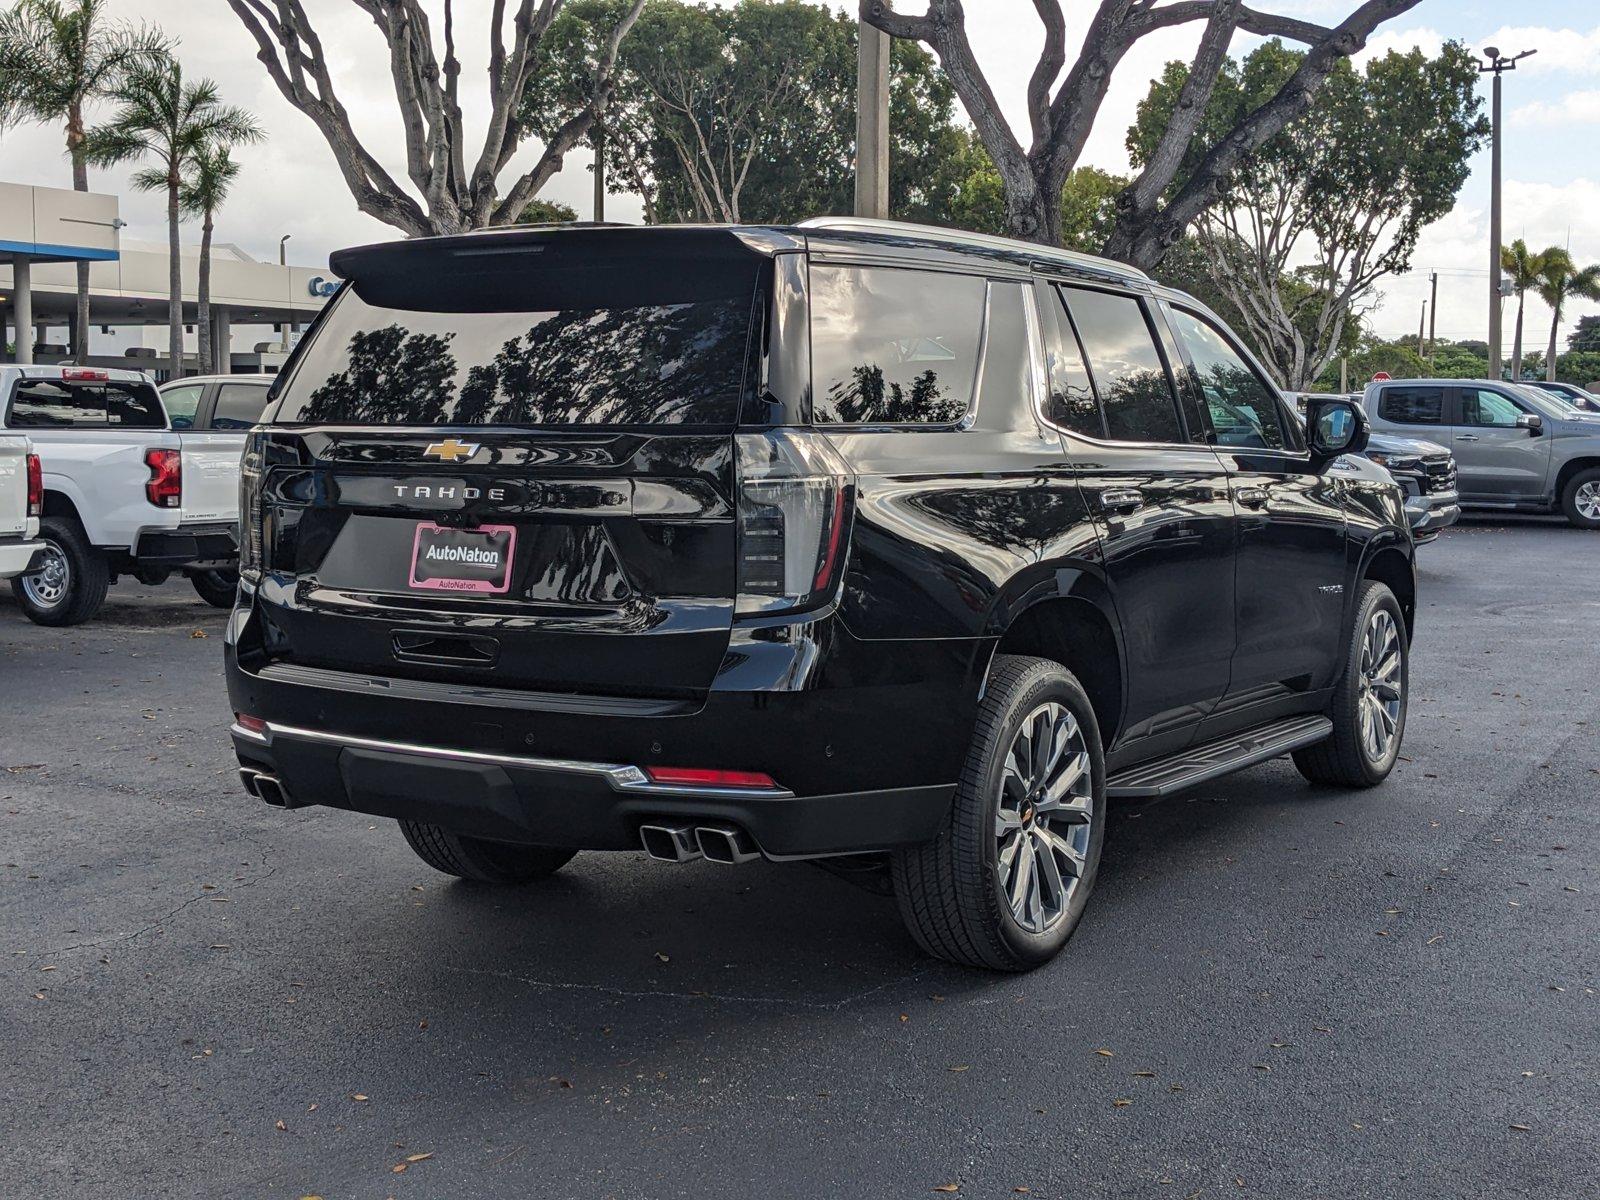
(892,548)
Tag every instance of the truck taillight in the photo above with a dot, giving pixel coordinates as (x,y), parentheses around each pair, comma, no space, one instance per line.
(165,489)
(85,375)
(794,509)
(250,536)
(35,487)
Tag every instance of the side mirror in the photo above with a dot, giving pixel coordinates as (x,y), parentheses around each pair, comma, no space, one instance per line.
(1532,422)
(1334,426)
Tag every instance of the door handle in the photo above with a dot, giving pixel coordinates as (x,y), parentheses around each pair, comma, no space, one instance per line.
(1251,497)
(1121,499)
(1466,437)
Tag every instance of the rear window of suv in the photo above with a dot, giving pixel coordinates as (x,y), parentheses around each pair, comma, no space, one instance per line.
(641,344)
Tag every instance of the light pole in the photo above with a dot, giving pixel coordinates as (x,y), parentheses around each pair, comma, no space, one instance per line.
(1496,64)
(283,261)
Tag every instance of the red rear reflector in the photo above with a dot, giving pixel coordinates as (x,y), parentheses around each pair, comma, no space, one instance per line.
(82,374)
(702,777)
(165,489)
(35,487)
(253,724)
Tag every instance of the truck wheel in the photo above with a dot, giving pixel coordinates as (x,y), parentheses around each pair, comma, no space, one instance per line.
(1581,499)
(216,588)
(479,860)
(1369,705)
(1005,882)
(70,585)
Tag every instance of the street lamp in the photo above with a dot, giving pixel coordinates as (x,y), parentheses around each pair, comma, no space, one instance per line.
(1496,64)
(282,261)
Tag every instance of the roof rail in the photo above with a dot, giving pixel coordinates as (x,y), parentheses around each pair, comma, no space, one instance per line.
(964,237)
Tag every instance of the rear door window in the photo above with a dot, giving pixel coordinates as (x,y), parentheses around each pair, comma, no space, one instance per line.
(1244,411)
(891,346)
(1412,405)
(1070,403)
(1134,389)
(60,404)
(239,405)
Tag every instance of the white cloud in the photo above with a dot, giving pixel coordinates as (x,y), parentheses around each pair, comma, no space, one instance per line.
(1572,107)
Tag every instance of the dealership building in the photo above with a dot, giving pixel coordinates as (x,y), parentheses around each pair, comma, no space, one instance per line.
(257,308)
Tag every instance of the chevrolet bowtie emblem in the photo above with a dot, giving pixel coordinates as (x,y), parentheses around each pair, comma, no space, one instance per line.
(450,450)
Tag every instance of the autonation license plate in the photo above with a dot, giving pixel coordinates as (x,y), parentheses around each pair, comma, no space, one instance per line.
(475,559)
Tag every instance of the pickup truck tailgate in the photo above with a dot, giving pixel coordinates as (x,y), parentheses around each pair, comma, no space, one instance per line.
(13,485)
(211,476)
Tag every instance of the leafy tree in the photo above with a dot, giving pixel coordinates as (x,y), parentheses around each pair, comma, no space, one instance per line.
(1457,360)
(1088,199)
(1561,280)
(160,115)
(1153,214)
(1522,268)
(1353,181)
(1399,358)
(747,113)
(1586,337)
(56,60)
(210,176)
(547,212)
(1581,367)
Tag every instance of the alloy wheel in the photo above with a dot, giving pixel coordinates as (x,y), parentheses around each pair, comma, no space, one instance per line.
(47,586)
(1382,685)
(1587,500)
(1042,818)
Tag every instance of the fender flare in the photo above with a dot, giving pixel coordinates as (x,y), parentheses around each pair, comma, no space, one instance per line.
(1382,542)
(66,487)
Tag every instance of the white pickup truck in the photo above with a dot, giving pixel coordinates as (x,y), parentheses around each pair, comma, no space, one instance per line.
(123,493)
(21,502)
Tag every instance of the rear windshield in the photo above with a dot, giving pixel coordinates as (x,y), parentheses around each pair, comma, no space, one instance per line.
(59,404)
(641,343)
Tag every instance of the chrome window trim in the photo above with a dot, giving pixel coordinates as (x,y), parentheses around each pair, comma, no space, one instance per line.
(621,776)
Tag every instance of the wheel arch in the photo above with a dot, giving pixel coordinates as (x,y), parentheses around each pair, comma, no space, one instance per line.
(59,500)
(1391,565)
(1065,613)
(1571,468)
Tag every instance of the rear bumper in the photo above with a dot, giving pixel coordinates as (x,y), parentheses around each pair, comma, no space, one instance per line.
(205,546)
(568,803)
(16,556)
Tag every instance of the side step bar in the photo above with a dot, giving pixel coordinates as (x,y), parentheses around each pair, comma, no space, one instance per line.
(1197,764)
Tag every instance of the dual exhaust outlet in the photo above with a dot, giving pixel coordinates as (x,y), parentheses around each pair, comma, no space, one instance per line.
(684,843)
(265,787)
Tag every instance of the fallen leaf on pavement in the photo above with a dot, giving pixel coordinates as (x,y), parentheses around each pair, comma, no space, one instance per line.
(1104,1053)
(1121,1102)
(948,1187)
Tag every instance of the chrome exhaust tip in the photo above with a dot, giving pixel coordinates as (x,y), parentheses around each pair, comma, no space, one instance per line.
(726,844)
(669,843)
(269,789)
(247,779)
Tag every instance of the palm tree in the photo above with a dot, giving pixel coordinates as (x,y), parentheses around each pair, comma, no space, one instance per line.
(56,59)
(162,116)
(1522,270)
(1560,281)
(212,172)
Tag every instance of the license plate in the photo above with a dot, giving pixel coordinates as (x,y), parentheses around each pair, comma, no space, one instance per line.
(472,559)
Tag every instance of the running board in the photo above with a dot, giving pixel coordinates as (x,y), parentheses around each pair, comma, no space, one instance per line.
(1198,764)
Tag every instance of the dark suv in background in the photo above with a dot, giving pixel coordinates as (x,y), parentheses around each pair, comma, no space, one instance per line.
(893,548)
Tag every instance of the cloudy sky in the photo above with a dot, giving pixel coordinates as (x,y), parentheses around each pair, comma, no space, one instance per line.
(290,184)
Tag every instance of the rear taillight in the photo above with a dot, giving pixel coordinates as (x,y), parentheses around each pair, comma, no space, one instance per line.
(35,487)
(710,777)
(165,489)
(795,499)
(250,511)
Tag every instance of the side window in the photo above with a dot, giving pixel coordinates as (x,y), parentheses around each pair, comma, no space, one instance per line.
(1482,407)
(892,346)
(1244,412)
(1135,392)
(1070,403)
(239,405)
(1412,405)
(182,403)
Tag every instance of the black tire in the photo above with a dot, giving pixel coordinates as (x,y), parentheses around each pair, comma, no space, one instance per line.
(482,861)
(1587,482)
(216,588)
(1344,759)
(73,596)
(950,889)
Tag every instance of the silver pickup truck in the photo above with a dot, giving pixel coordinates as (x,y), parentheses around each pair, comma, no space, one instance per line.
(21,502)
(1516,448)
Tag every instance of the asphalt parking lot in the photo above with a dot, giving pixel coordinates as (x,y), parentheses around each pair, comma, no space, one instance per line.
(1278,990)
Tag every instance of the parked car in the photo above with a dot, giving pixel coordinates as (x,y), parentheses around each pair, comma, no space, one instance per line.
(214,412)
(1425,472)
(21,501)
(1516,448)
(1572,394)
(123,492)
(885,546)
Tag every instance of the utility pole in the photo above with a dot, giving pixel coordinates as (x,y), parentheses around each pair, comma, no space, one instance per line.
(1422,320)
(1433,316)
(1496,64)
(599,138)
(872,121)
